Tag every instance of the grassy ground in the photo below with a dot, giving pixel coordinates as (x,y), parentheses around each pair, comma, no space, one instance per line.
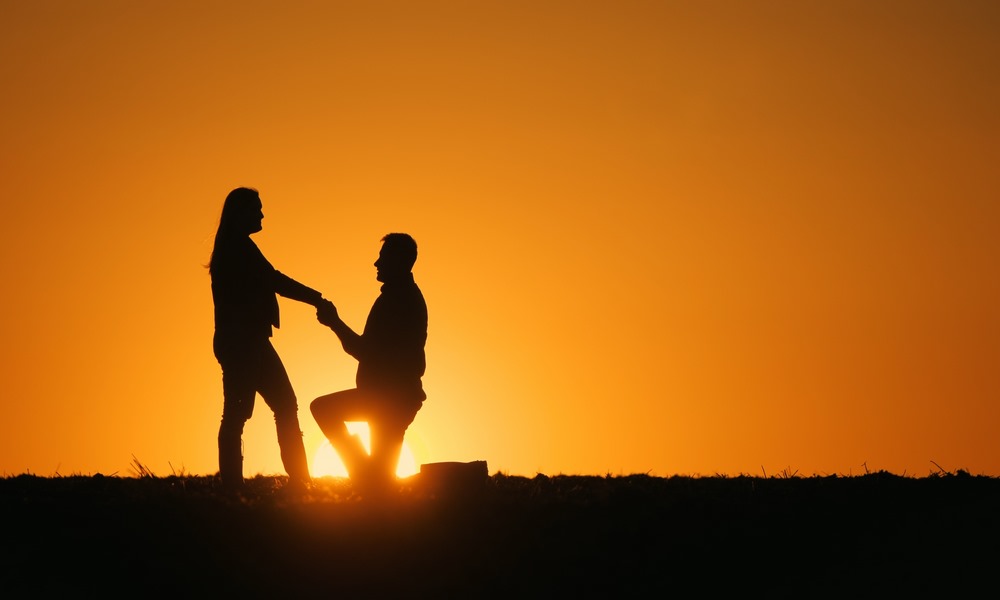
(505,536)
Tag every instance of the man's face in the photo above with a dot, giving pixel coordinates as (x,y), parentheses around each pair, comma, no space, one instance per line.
(388,265)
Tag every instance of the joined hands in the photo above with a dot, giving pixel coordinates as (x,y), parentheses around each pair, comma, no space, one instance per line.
(326,313)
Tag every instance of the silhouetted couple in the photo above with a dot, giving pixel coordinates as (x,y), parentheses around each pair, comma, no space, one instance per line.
(389,351)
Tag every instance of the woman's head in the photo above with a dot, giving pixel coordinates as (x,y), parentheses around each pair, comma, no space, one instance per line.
(241,212)
(242,215)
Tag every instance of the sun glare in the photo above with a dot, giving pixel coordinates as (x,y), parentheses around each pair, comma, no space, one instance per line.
(326,462)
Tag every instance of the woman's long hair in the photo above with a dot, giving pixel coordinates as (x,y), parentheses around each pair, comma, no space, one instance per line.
(234,210)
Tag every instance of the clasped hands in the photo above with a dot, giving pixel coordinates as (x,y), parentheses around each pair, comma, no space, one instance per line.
(326,313)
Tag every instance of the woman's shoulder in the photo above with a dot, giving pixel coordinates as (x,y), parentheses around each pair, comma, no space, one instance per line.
(239,256)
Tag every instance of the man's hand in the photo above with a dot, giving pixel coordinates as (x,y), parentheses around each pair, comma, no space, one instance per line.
(326,313)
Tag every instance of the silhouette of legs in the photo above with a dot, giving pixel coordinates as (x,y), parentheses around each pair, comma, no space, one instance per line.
(239,392)
(231,453)
(387,443)
(387,423)
(331,413)
(276,390)
(293,452)
(249,369)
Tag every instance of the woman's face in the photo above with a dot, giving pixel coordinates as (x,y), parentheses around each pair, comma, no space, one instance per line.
(253,216)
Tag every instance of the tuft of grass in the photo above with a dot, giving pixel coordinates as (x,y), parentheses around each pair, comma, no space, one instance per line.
(787,473)
(140,469)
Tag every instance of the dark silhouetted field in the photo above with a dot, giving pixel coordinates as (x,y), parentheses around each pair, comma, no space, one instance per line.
(591,536)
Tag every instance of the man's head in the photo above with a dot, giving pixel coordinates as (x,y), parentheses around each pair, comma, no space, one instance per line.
(396,258)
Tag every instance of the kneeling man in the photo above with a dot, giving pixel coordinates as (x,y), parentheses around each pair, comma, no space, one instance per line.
(390,355)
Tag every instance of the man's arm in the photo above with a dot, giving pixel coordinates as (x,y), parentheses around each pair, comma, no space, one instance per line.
(327,314)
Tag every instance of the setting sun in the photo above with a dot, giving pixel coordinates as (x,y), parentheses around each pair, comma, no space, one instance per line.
(326,463)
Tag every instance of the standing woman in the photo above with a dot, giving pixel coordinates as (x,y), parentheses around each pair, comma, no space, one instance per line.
(244,290)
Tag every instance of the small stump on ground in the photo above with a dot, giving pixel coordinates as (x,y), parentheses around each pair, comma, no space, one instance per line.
(454,478)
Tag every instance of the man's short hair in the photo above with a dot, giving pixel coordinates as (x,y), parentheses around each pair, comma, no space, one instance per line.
(403,244)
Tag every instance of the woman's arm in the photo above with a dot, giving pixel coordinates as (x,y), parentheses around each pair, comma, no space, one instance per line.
(289,288)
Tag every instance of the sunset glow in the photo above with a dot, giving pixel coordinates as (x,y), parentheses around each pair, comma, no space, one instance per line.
(326,462)
(678,237)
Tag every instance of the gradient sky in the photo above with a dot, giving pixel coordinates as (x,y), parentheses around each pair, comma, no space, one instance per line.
(693,237)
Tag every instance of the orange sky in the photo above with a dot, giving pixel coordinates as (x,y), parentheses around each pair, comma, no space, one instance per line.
(666,237)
